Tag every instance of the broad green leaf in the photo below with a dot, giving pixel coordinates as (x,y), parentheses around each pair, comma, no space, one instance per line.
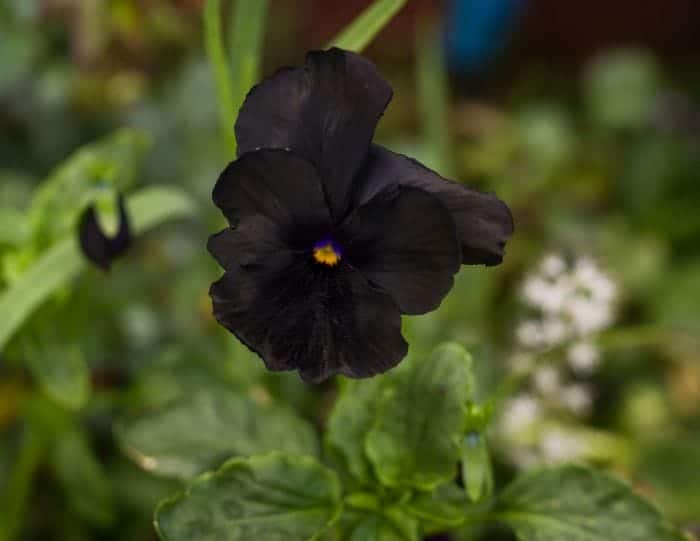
(577,503)
(214,43)
(477,475)
(436,508)
(60,369)
(64,260)
(274,497)
(415,441)
(395,527)
(86,488)
(110,163)
(199,432)
(351,419)
(360,33)
(246,41)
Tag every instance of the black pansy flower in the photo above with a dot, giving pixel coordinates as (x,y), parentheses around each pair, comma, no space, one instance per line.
(98,247)
(332,237)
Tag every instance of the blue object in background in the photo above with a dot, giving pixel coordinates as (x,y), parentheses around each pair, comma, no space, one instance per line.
(476,31)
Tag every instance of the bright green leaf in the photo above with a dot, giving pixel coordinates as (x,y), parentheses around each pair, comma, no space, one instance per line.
(476,467)
(415,441)
(64,260)
(579,504)
(359,33)
(396,527)
(275,497)
(199,432)
(13,227)
(351,419)
(436,509)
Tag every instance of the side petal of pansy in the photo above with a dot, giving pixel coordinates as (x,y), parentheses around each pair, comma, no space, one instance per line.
(95,244)
(484,222)
(325,111)
(405,242)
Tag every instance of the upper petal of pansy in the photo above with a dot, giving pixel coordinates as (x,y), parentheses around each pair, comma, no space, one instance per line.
(404,240)
(484,222)
(95,244)
(302,317)
(326,111)
(276,184)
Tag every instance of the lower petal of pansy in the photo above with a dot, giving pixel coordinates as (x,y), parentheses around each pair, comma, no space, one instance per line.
(316,320)
(484,222)
(405,242)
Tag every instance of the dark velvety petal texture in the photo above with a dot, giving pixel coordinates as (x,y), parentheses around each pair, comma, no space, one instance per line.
(98,247)
(326,111)
(484,222)
(308,318)
(405,242)
(278,185)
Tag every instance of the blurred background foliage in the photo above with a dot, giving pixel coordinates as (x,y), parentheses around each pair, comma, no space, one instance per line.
(589,130)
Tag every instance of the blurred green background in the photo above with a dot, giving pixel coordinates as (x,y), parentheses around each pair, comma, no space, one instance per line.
(586,121)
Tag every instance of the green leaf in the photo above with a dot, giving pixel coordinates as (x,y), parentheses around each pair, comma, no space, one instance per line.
(86,487)
(14,230)
(579,504)
(396,527)
(275,497)
(60,369)
(359,33)
(199,432)
(214,43)
(476,467)
(351,419)
(112,162)
(436,508)
(246,41)
(415,441)
(64,260)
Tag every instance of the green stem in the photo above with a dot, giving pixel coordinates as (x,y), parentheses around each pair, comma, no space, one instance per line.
(214,44)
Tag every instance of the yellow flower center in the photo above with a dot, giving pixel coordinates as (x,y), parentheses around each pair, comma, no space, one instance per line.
(325,253)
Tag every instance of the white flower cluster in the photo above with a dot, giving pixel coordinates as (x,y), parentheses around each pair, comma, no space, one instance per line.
(570,302)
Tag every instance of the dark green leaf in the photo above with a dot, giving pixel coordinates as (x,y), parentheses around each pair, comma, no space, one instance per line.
(415,441)
(202,430)
(274,497)
(579,504)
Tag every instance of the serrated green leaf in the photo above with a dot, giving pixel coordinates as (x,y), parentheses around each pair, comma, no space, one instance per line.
(432,507)
(415,441)
(351,419)
(86,488)
(64,260)
(275,497)
(199,432)
(360,32)
(577,503)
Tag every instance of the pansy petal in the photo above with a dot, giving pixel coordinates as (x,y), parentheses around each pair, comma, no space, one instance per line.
(276,184)
(405,242)
(95,244)
(326,111)
(484,222)
(255,241)
(306,318)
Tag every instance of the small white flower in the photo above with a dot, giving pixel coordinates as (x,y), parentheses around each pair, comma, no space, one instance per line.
(546,380)
(559,446)
(529,334)
(577,398)
(520,413)
(583,357)
(553,265)
(554,331)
